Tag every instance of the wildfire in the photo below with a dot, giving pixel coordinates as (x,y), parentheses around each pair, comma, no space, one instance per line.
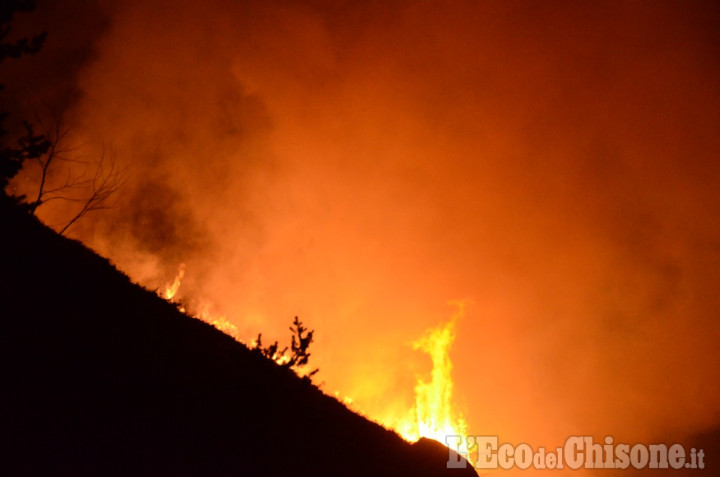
(218,321)
(171,290)
(433,415)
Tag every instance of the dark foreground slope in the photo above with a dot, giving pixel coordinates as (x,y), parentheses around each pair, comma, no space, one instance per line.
(100,377)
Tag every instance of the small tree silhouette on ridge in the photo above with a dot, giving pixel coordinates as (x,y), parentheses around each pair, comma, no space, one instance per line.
(299,356)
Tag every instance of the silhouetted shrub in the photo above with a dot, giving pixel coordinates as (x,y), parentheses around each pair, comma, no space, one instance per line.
(298,357)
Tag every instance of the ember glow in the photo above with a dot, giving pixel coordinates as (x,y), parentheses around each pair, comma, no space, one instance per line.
(359,164)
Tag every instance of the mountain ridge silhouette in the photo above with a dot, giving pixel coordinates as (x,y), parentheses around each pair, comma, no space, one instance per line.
(102,377)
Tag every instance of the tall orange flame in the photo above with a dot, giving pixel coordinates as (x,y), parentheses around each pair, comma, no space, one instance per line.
(433,415)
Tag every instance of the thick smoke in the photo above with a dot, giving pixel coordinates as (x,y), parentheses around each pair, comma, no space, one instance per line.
(361,163)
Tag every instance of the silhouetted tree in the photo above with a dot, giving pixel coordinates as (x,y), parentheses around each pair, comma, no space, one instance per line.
(29,145)
(301,339)
(17,48)
(90,191)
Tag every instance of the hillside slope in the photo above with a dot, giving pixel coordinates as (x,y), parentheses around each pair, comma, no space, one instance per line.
(101,377)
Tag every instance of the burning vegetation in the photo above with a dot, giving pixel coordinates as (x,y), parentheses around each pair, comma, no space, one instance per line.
(433,414)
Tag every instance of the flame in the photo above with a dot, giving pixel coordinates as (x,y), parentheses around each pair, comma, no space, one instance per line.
(218,321)
(171,290)
(205,314)
(347,400)
(433,415)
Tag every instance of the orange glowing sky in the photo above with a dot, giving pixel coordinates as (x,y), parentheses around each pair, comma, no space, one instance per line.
(360,164)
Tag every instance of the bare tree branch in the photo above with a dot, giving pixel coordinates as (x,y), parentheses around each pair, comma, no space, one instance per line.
(91,190)
(104,184)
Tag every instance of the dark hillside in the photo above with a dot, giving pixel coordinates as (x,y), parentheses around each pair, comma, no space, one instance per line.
(101,377)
